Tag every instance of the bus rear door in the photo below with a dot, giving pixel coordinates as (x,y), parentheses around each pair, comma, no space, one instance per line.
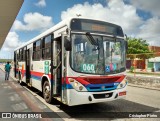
(28,66)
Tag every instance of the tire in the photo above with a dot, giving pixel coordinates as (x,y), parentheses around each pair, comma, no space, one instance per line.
(47,92)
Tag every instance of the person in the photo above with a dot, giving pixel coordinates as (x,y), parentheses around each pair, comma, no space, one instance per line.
(7,70)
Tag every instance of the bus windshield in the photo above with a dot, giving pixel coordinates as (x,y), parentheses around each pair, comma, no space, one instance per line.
(106,56)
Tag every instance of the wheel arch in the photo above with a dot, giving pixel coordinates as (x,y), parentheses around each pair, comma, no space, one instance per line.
(43,79)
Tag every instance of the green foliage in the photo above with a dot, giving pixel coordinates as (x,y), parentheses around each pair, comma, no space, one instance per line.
(5,60)
(138,48)
(131,69)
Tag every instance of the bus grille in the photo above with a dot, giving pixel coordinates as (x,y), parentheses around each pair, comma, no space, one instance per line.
(100,96)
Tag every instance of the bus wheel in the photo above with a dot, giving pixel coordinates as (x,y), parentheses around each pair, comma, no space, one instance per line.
(47,92)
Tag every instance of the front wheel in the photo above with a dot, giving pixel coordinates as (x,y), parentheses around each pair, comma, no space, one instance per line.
(47,92)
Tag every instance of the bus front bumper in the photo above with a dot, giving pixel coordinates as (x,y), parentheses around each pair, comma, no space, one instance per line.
(78,98)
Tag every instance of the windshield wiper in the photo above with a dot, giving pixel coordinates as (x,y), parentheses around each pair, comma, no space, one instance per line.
(91,39)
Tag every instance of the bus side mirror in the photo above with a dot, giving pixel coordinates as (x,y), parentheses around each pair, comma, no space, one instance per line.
(67,44)
(126,42)
(126,45)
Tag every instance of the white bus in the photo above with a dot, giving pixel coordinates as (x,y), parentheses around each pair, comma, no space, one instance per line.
(78,61)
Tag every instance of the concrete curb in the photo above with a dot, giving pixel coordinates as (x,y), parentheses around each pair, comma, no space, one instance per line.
(144,76)
(139,86)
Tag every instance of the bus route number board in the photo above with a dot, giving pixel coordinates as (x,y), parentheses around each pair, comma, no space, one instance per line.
(90,68)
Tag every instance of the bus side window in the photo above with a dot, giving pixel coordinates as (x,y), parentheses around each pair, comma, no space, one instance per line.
(20,55)
(46,47)
(24,53)
(36,50)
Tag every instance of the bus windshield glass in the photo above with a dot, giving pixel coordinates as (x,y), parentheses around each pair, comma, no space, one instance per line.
(105,56)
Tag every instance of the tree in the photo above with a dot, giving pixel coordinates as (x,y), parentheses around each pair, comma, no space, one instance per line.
(138,48)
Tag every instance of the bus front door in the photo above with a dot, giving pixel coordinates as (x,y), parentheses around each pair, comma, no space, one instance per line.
(59,71)
(64,70)
(57,60)
(28,66)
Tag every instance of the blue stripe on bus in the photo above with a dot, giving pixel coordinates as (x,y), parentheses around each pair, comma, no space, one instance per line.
(36,77)
(101,87)
(68,86)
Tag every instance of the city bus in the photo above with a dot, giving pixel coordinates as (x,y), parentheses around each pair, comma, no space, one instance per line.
(78,61)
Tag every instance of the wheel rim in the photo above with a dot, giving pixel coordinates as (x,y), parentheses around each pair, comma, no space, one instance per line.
(47,92)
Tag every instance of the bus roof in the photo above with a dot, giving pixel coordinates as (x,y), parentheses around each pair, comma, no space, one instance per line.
(63,23)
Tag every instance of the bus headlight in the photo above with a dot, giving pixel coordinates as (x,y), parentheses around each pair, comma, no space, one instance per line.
(76,85)
(122,84)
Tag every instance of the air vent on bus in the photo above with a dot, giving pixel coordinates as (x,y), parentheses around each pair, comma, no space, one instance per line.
(100,96)
(95,87)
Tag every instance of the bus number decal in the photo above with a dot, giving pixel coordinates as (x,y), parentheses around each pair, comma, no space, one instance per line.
(88,68)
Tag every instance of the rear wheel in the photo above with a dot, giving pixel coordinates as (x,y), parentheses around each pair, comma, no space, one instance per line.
(47,92)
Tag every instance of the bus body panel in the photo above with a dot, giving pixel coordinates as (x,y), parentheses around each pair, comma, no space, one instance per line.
(69,95)
(38,72)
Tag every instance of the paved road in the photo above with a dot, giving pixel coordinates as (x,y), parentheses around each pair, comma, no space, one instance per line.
(144,96)
(138,100)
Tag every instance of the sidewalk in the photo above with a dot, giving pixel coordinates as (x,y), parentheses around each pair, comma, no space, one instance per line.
(147,75)
(14,98)
(144,73)
(144,81)
(11,72)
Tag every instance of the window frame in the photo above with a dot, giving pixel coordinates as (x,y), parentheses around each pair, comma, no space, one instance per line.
(35,50)
(46,55)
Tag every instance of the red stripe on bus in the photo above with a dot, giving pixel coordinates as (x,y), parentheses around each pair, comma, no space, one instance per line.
(40,74)
(98,79)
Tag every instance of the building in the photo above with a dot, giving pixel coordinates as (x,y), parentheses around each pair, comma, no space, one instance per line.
(152,64)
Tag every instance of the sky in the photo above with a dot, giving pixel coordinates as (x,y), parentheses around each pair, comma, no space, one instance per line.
(138,18)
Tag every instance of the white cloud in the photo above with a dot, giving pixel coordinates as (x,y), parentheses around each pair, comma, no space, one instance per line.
(41,3)
(149,6)
(122,14)
(150,31)
(116,12)
(12,41)
(33,21)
